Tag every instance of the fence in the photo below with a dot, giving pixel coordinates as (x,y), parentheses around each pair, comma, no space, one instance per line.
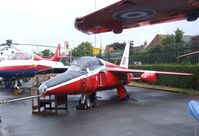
(160,57)
(168,56)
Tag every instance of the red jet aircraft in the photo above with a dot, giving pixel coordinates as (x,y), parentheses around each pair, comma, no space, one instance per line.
(134,13)
(87,75)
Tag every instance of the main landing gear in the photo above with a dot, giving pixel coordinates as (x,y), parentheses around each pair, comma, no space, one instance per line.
(87,101)
(9,84)
(14,85)
(122,94)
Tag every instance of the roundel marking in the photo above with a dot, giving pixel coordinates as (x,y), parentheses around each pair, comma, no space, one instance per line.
(131,14)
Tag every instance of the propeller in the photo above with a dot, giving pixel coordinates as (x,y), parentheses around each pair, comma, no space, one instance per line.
(9,43)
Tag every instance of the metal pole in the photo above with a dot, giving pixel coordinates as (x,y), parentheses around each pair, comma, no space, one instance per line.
(20,99)
(95,10)
(100,45)
(71,55)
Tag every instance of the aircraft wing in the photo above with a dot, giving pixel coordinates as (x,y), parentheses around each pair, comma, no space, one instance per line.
(146,75)
(122,70)
(126,14)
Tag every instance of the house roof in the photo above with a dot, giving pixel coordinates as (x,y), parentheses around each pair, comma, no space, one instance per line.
(157,39)
(187,38)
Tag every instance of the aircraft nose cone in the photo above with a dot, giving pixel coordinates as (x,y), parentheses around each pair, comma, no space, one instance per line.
(43,89)
(57,84)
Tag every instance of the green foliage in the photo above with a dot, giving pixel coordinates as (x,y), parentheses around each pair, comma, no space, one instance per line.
(170,42)
(120,46)
(169,39)
(45,53)
(168,49)
(178,36)
(157,48)
(117,46)
(172,80)
(83,49)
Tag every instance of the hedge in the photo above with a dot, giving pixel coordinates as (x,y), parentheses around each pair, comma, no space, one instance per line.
(189,82)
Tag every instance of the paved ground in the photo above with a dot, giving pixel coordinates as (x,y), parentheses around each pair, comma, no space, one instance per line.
(156,113)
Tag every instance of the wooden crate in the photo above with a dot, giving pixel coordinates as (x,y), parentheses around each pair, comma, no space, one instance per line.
(49,104)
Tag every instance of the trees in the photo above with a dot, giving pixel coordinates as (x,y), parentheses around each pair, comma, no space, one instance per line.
(45,53)
(167,49)
(83,49)
(170,42)
(173,42)
(115,47)
(118,47)
(179,36)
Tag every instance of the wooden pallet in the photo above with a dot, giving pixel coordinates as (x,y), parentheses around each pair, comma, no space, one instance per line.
(49,104)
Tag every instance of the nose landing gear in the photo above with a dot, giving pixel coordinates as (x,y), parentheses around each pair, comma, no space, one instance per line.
(87,101)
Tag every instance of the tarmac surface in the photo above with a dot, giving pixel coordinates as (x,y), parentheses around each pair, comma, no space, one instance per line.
(153,113)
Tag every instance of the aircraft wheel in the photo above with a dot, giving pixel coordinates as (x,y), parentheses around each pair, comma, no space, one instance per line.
(93,100)
(88,103)
(9,84)
(17,92)
(84,103)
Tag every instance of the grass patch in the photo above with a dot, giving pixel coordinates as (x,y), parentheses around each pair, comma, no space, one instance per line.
(165,88)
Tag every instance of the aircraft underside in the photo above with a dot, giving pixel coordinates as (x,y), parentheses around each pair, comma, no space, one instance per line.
(12,77)
(87,101)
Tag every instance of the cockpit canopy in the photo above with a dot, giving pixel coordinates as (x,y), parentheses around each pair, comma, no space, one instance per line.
(20,56)
(85,63)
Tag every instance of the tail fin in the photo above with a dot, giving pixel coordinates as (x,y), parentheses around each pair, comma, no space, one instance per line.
(56,56)
(125,57)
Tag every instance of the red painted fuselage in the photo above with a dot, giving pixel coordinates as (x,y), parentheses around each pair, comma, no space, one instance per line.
(88,81)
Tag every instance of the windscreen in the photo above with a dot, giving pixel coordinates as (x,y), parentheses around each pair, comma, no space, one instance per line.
(20,56)
(85,63)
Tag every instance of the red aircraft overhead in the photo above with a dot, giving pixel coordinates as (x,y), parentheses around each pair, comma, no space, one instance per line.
(87,75)
(134,13)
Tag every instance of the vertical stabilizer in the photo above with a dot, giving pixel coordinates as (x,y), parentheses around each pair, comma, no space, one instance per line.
(125,57)
(56,56)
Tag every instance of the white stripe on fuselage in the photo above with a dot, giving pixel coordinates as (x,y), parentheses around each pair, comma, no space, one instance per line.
(8,63)
(89,74)
(48,63)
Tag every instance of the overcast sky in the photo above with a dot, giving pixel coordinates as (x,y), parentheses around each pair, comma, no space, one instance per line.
(52,21)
